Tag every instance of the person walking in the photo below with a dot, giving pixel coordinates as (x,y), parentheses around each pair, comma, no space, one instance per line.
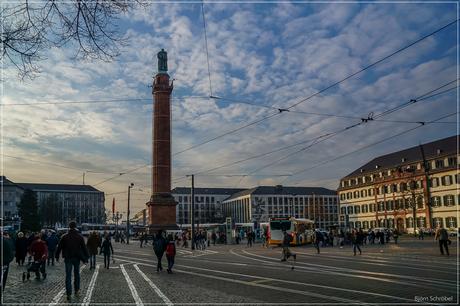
(73,248)
(249,235)
(286,243)
(214,238)
(93,243)
(421,234)
(21,249)
(159,247)
(107,249)
(51,242)
(170,253)
(396,236)
(356,241)
(318,238)
(7,257)
(39,252)
(443,236)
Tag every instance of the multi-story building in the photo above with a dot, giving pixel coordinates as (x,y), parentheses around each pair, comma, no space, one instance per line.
(413,187)
(262,202)
(207,204)
(10,198)
(58,203)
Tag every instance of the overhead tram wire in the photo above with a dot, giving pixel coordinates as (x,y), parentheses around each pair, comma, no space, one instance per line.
(58,165)
(226,133)
(373,64)
(283,110)
(363,120)
(206,47)
(327,136)
(280,111)
(122,173)
(319,114)
(373,144)
(94,101)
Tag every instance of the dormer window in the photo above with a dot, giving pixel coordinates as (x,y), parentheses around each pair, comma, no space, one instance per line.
(403,160)
(377,166)
(361,170)
(438,151)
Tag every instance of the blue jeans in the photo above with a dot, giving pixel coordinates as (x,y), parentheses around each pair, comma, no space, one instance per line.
(69,264)
(92,261)
(170,262)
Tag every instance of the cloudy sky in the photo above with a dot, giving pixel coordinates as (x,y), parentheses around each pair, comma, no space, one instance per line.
(270,55)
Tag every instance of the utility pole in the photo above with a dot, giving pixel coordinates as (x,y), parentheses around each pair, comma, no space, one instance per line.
(192,210)
(314,210)
(127,213)
(84,178)
(426,169)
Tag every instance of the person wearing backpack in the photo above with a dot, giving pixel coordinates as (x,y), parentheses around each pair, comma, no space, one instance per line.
(159,247)
(170,253)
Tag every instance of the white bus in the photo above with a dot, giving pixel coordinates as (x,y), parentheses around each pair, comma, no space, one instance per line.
(301,230)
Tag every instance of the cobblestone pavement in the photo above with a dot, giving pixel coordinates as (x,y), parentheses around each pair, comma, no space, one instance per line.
(412,271)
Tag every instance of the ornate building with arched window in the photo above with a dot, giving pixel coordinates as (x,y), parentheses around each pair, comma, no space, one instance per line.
(413,187)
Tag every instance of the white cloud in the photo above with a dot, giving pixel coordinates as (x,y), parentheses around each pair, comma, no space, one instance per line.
(270,54)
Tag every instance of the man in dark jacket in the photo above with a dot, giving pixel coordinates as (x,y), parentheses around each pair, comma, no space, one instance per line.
(443,236)
(7,257)
(159,246)
(73,250)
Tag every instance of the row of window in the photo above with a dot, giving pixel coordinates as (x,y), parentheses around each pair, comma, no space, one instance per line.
(449,222)
(198,199)
(446,180)
(431,165)
(447,200)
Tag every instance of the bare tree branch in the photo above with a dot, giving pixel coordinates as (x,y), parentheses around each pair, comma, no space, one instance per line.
(28,30)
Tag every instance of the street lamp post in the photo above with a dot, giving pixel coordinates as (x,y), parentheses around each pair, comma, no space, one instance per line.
(127,214)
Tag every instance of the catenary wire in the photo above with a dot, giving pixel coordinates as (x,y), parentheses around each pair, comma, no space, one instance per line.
(280,111)
(324,137)
(283,110)
(412,101)
(373,64)
(206,47)
(372,144)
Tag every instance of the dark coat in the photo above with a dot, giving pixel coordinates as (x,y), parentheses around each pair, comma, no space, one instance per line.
(159,245)
(52,242)
(72,246)
(106,247)
(7,250)
(21,247)
(93,243)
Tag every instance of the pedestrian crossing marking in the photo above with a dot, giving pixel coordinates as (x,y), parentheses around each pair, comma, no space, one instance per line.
(257,281)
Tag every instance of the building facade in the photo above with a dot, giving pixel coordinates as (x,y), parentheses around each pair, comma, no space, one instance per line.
(59,204)
(408,189)
(10,198)
(260,203)
(207,204)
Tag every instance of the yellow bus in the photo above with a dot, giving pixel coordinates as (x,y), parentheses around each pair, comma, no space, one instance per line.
(301,230)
